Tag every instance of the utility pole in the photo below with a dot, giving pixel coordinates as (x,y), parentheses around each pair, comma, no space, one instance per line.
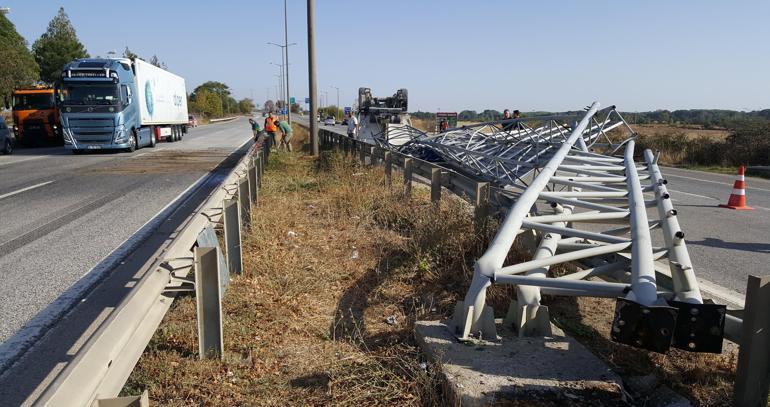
(311,76)
(338,101)
(286,50)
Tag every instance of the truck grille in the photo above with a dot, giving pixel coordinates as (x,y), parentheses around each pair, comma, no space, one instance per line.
(92,130)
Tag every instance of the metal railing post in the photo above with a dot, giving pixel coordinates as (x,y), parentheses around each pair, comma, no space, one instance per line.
(232,236)
(388,169)
(258,163)
(752,375)
(208,297)
(373,155)
(251,172)
(482,202)
(244,206)
(435,185)
(408,169)
(362,155)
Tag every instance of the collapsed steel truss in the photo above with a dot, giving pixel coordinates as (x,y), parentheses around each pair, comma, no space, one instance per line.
(583,204)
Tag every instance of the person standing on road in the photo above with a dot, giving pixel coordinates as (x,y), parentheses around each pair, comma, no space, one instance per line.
(271,129)
(352,126)
(286,134)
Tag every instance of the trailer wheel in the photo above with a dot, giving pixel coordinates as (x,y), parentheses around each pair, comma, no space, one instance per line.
(152,139)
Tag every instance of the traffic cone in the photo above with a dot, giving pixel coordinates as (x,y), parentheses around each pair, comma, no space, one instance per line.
(738,197)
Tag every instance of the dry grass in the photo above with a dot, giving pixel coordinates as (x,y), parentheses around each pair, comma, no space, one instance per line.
(425,125)
(691,132)
(308,322)
(324,315)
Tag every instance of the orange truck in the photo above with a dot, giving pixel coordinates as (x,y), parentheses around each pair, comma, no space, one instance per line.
(36,119)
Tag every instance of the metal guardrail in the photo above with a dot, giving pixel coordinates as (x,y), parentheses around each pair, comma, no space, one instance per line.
(747,325)
(224,119)
(101,367)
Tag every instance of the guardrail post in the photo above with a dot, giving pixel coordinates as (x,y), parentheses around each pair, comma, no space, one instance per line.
(373,155)
(752,375)
(142,400)
(232,236)
(408,169)
(251,171)
(435,185)
(243,201)
(388,169)
(482,201)
(258,164)
(208,296)
(362,154)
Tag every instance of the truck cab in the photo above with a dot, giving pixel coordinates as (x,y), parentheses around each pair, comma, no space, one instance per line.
(36,116)
(98,107)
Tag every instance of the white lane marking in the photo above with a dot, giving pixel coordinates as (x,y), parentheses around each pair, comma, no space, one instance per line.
(713,199)
(687,193)
(139,155)
(23,160)
(713,182)
(42,184)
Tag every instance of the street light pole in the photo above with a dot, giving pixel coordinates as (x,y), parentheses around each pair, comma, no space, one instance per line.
(285,64)
(312,76)
(286,50)
(338,101)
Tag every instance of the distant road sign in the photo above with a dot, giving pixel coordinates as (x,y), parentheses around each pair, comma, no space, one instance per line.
(307,100)
(348,109)
(291,100)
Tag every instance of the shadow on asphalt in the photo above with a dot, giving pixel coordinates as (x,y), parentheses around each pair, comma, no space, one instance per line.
(747,247)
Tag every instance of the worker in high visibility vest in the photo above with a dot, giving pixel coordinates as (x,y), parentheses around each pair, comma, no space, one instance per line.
(271,127)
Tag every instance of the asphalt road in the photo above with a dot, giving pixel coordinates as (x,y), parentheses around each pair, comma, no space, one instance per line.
(725,245)
(61,214)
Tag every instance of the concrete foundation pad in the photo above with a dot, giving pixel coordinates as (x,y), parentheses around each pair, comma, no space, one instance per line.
(550,369)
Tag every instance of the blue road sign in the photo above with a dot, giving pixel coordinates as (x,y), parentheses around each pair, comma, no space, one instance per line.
(348,109)
(307,100)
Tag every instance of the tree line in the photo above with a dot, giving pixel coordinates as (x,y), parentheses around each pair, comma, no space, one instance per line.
(21,65)
(706,118)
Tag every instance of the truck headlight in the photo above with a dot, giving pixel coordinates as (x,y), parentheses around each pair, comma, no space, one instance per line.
(121,135)
(67,137)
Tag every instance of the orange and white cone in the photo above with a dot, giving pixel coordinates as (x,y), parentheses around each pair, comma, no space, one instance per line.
(738,197)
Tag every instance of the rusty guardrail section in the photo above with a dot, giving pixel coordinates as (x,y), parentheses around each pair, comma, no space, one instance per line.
(747,323)
(101,367)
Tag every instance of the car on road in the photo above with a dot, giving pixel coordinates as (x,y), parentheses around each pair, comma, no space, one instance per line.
(192,121)
(329,121)
(7,139)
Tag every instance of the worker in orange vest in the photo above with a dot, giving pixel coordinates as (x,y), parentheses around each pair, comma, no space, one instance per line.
(271,128)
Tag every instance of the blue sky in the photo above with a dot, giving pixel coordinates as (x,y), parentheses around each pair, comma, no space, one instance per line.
(451,55)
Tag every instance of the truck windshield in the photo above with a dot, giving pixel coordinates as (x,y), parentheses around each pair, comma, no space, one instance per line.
(33,101)
(90,94)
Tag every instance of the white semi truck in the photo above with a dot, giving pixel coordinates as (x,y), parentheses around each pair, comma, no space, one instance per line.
(119,103)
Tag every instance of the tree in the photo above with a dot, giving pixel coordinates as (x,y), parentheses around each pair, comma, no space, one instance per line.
(57,46)
(269,106)
(157,62)
(207,103)
(17,65)
(127,53)
(246,105)
(295,108)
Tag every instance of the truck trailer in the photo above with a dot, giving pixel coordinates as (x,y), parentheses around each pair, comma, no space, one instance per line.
(120,103)
(36,116)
